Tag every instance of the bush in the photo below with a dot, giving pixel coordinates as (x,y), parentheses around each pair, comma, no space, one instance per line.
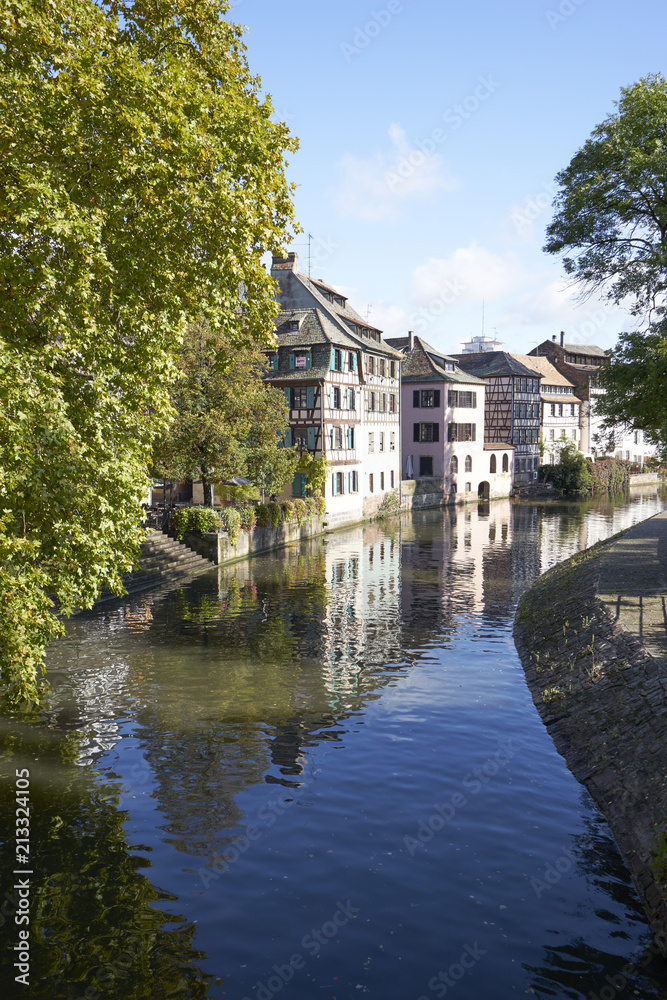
(275,513)
(609,474)
(195,519)
(300,510)
(315,505)
(263,516)
(571,474)
(287,511)
(231,522)
(248,517)
(390,506)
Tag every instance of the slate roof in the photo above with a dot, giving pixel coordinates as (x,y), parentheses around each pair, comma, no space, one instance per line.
(317,332)
(589,349)
(420,366)
(550,374)
(347,315)
(494,363)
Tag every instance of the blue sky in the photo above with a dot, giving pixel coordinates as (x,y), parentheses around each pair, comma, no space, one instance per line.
(430,135)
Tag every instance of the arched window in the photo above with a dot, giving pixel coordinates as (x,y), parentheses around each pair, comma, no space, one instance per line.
(492,464)
(468,463)
(506,463)
(454,465)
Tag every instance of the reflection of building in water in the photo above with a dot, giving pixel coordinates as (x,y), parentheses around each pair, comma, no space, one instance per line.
(362,619)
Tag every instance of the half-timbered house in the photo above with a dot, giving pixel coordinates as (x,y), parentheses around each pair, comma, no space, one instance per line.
(512,406)
(560,408)
(377,441)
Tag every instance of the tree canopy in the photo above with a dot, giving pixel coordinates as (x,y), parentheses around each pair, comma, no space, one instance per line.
(229,421)
(610,225)
(142,178)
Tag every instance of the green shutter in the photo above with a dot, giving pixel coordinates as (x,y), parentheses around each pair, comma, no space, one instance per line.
(310,396)
(332,361)
(309,359)
(354,362)
(288,437)
(312,438)
(288,396)
(275,362)
(291,361)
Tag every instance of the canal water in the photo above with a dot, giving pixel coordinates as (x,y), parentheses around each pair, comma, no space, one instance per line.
(320,774)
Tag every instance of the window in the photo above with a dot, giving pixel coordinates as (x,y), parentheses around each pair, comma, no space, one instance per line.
(468,465)
(352,361)
(294,325)
(381,367)
(425,465)
(370,482)
(574,433)
(337,483)
(392,369)
(454,465)
(552,434)
(351,399)
(553,409)
(392,403)
(382,480)
(492,464)
(336,437)
(563,433)
(337,360)
(371,443)
(391,479)
(506,463)
(302,360)
(381,440)
(300,398)
(371,400)
(350,438)
(370,364)
(464,399)
(392,441)
(383,401)
(425,432)
(468,487)
(462,432)
(353,480)
(426,398)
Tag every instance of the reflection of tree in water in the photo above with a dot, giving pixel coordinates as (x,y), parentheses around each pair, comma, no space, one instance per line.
(96,922)
(579,969)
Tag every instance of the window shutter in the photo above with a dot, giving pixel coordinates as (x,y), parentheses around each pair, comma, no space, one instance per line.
(474,399)
(473,436)
(436,432)
(310,397)
(332,361)
(415,400)
(288,396)
(331,399)
(291,361)
(415,432)
(436,397)
(346,400)
(312,438)
(342,482)
(309,359)
(288,437)
(275,362)
(333,484)
(354,362)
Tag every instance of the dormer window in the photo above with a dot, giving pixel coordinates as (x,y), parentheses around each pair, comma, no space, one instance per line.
(294,326)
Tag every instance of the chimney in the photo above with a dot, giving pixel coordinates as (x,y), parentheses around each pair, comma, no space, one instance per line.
(562,338)
(411,340)
(553,337)
(289,263)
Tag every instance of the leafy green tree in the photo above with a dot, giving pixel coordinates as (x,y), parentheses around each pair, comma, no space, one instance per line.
(142,178)
(611,228)
(229,422)
(571,473)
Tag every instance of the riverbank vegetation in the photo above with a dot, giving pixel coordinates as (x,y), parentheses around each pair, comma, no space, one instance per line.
(143,178)
(576,474)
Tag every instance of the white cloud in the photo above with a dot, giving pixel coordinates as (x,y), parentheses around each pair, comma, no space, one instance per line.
(469,274)
(372,189)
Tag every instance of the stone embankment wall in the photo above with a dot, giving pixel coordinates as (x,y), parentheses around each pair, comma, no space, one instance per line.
(220,548)
(603,699)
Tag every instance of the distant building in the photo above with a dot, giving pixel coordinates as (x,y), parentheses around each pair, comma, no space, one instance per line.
(512,406)
(560,408)
(480,345)
(442,409)
(580,364)
(361,441)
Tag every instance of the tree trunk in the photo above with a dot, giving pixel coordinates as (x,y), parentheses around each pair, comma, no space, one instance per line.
(206,485)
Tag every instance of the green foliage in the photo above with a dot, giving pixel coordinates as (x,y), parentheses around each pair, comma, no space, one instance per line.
(571,474)
(275,513)
(390,506)
(287,511)
(610,475)
(635,383)
(659,858)
(231,522)
(263,516)
(316,471)
(195,519)
(248,517)
(611,212)
(142,179)
(300,510)
(229,421)
(315,505)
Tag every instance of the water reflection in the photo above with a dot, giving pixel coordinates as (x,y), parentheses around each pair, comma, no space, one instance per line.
(271,732)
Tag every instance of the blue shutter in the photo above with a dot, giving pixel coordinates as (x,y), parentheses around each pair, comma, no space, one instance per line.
(310,397)
(332,360)
(350,443)
(275,362)
(312,438)
(309,360)
(354,362)
(291,361)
